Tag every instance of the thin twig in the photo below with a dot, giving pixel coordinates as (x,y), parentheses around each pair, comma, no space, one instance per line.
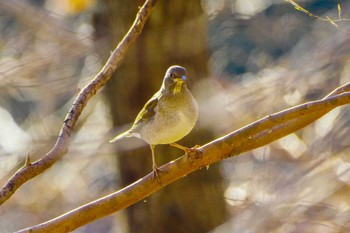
(30,170)
(327,18)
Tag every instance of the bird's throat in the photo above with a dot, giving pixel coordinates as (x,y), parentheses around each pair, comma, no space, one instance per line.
(178,87)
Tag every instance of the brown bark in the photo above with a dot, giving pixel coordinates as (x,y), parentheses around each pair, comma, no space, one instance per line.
(175,34)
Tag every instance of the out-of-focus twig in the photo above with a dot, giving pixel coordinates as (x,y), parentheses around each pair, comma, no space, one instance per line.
(44,21)
(327,18)
(259,133)
(30,170)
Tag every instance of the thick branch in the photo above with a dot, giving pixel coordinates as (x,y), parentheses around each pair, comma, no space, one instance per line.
(29,171)
(259,133)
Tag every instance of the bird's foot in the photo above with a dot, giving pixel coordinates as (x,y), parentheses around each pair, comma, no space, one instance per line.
(155,174)
(195,151)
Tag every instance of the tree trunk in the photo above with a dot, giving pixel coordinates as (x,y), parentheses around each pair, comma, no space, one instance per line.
(175,34)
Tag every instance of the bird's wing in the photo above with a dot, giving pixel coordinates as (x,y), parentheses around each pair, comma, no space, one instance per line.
(147,113)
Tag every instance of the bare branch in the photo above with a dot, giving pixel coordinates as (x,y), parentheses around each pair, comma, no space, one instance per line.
(257,134)
(30,170)
(327,18)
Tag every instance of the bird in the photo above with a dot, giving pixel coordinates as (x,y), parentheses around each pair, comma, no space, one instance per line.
(168,116)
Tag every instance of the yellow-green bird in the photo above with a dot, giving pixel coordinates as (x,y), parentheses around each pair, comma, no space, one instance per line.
(168,116)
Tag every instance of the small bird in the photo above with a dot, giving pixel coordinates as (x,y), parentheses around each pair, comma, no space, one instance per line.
(168,116)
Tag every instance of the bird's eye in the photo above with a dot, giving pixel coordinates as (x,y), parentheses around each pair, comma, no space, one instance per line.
(172,75)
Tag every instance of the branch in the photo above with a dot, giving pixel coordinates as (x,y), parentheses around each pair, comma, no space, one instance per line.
(30,170)
(332,21)
(257,134)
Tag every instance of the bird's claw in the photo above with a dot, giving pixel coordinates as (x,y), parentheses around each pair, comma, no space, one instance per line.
(195,151)
(155,174)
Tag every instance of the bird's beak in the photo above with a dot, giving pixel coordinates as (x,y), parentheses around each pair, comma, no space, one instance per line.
(181,79)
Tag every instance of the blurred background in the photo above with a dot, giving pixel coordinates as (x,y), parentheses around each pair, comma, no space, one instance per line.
(246,59)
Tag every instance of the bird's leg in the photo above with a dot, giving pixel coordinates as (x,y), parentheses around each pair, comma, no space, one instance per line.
(155,167)
(196,149)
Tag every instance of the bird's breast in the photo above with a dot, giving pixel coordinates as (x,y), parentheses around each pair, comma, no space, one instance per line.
(175,117)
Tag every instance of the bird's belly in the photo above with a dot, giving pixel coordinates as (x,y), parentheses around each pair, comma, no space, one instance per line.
(169,129)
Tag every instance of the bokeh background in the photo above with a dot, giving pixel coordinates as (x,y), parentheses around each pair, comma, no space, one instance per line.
(246,59)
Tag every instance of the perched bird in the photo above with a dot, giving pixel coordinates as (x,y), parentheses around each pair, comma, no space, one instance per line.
(168,116)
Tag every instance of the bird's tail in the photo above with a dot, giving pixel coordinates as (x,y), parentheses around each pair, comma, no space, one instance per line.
(120,136)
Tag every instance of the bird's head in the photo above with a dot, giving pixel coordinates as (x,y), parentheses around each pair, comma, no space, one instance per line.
(174,79)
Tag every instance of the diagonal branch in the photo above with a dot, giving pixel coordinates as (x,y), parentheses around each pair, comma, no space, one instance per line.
(257,134)
(30,170)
